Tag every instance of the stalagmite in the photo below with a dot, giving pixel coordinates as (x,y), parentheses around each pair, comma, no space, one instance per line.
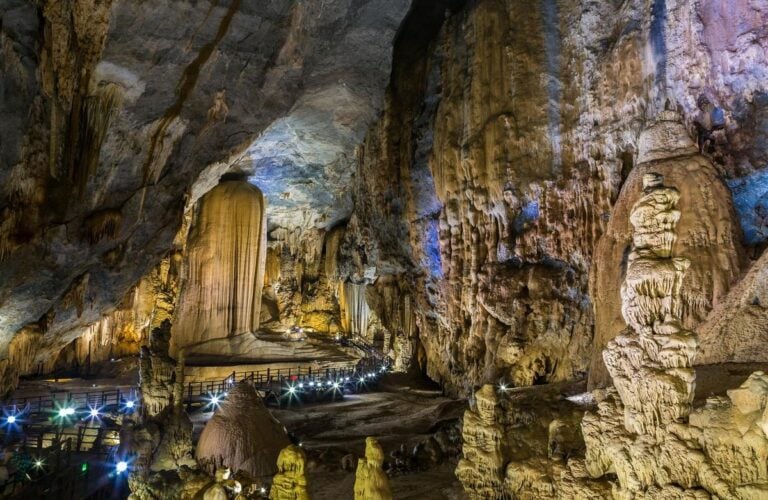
(242,435)
(290,483)
(652,364)
(481,470)
(371,483)
(158,372)
(221,291)
(708,237)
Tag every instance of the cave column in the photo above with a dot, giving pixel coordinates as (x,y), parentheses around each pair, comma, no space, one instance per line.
(225,263)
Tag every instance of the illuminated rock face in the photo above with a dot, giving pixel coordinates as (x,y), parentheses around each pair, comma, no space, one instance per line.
(651,365)
(224,272)
(104,143)
(645,229)
(645,430)
(290,483)
(371,483)
(481,470)
(242,435)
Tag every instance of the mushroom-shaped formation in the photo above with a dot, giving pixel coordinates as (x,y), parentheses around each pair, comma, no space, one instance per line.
(290,483)
(371,483)
(243,436)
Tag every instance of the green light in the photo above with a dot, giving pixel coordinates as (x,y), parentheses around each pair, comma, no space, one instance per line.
(84,467)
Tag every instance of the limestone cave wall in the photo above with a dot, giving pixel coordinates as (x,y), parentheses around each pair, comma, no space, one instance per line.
(115,116)
(499,166)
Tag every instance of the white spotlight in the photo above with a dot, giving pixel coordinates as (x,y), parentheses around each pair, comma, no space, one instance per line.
(11,419)
(121,466)
(94,412)
(130,403)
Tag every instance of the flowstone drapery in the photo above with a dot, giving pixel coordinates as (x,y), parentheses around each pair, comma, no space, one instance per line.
(224,272)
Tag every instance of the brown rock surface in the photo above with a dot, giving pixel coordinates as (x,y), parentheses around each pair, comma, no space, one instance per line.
(242,435)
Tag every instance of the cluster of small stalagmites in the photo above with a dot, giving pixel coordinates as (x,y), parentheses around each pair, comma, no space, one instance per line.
(481,469)
(371,482)
(651,365)
(290,483)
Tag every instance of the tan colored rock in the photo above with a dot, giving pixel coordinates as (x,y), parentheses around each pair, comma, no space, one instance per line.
(707,235)
(226,257)
(290,483)
(481,468)
(242,435)
(645,431)
(737,329)
(371,482)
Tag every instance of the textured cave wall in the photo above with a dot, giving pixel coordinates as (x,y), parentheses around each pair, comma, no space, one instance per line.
(506,139)
(118,114)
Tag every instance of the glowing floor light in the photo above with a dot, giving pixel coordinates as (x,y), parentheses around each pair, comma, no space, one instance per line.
(291,390)
(130,404)
(121,466)
(11,419)
(39,463)
(94,413)
(66,412)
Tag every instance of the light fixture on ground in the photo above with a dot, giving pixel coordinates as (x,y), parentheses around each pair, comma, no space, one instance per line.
(121,466)
(11,419)
(214,400)
(66,412)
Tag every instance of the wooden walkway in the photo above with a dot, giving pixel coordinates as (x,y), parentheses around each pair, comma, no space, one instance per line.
(64,431)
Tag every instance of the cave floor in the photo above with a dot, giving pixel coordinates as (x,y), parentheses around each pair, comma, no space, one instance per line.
(402,412)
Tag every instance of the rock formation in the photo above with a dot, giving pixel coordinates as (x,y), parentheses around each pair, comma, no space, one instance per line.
(371,482)
(290,483)
(242,435)
(646,439)
(112,113)
(158,373)
(651,365)
(709,237)
(224,273)
(481,470)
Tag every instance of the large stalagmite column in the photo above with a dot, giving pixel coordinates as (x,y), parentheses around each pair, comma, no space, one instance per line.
(224,272)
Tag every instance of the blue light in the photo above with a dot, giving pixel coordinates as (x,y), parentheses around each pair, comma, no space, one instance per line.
(11,419)
(121,466)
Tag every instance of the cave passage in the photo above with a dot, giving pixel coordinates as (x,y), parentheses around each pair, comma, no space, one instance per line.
(383,249)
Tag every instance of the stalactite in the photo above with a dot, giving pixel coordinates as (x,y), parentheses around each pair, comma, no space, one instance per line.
(96,114)
(104,224)
(75,296)
(354,307)
(224,271)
